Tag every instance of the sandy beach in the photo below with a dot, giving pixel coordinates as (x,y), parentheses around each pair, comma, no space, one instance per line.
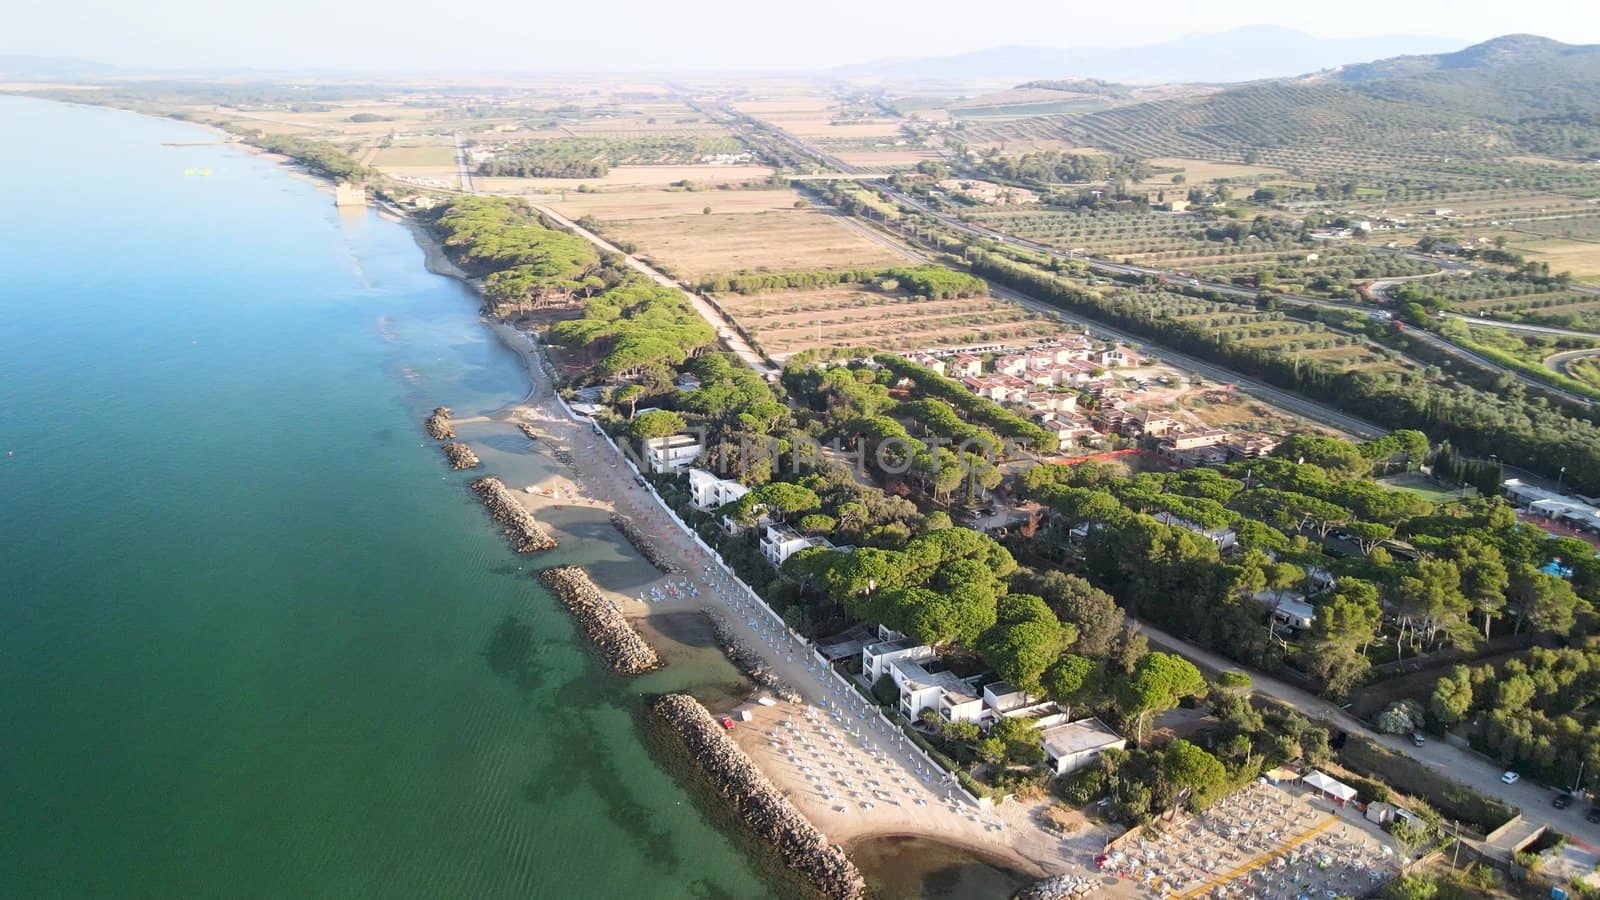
(844,769)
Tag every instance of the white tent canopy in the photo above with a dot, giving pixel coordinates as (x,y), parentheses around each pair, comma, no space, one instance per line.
(1340,791)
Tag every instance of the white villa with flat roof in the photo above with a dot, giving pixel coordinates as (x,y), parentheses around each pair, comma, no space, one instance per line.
(876,657)
(781,542)
(671,453)
(1070,747)
(707,491)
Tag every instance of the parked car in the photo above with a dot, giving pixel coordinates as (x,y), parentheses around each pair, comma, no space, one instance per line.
(1510,777)
(1417,740)
(1594,814)
(1563,800)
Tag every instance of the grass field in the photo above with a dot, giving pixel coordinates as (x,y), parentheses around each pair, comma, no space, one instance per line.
(1424,486)
(787,322)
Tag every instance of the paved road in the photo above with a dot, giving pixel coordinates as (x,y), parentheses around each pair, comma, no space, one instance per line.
(1460,765)
(463,166)
(723,327)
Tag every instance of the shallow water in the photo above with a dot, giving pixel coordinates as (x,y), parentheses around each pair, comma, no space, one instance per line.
(255,638)
(907,867)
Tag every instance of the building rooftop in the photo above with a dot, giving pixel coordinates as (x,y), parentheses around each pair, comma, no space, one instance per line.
(881,647)
(917,676)
(1076,737)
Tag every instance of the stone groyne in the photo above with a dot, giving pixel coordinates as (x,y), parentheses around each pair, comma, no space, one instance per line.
(622,647)
(642,542)
(460,456)
(766,811)
(529,430)
(438,424)
(749,661)
(525,533)
(1057,887)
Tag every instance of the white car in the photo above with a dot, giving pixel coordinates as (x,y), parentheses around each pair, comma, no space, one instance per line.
(1510,777)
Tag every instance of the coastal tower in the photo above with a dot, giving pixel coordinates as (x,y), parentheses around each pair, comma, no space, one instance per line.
(349,193)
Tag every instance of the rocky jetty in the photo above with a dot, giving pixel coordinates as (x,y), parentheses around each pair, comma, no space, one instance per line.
(607,628)
(1057,887)
(642,542)
(438,424)
(759,804)
(749,661)
(525,533)
(529,430)
(460,456)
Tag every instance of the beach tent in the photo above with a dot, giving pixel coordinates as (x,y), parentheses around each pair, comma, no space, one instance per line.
(1334,790)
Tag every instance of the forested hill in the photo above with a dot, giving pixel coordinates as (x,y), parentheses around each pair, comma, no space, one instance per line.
(1511,95)
(1509,78)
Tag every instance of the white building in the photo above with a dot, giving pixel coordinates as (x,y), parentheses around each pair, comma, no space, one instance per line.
(671,453)
(1289,609)
(781,542)
(707,491)
(1224,538)
(877,657)
(1070,747)
(953,698)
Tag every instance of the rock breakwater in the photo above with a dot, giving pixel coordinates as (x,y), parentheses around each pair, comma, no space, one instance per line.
(621,647)
(1057,887)
(766,811)
(644,543)
(438,424)
(460,456)
(524,532)
(749,661)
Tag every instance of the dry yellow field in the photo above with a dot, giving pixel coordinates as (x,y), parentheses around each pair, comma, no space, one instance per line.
(405,157)
(1581,258)
(1202,170)
(696,245)
(844,131)
(625,177)
(620,206)
(880,159)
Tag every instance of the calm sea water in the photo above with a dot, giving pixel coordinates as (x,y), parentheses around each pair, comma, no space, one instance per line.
(255,639)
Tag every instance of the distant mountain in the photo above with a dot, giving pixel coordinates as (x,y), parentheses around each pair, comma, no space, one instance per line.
(1242,54)
(49,68)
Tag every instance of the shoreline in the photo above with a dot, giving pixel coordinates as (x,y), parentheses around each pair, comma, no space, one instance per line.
(924,807)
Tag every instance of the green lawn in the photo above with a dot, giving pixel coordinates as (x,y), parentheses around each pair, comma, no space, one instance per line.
(1421,484)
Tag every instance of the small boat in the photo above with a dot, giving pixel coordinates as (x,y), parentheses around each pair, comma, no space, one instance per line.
(531,489)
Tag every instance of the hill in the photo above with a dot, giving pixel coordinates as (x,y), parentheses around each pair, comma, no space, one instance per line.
(1241,54)
(1510,95)
(1509,78)
(49,68)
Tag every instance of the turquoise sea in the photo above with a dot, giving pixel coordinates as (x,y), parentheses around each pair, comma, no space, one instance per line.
(255,639)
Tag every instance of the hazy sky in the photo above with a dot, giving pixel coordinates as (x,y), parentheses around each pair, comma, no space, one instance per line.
(698,34)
